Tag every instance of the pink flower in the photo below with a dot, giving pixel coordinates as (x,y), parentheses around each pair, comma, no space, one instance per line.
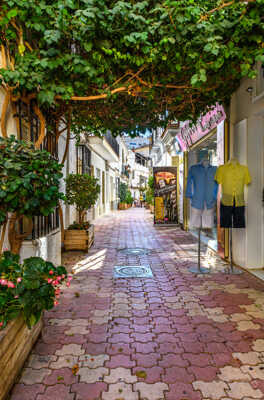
(19,280)
(63,276)
(3,282)
(56,303)
(68,284)
(16,297)
(1,323)
(51,272)
(50,280)
(10,284)
(69,278)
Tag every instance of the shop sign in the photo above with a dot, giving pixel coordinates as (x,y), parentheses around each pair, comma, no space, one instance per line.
(189,134)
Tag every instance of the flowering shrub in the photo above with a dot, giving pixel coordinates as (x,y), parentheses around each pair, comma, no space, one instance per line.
(28,288)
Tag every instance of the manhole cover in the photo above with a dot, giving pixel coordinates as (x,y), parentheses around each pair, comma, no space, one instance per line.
(134,251)
(132,271)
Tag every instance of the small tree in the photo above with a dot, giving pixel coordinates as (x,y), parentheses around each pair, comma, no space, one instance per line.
(150,191)
(82,190)
(129,197)
(29,185)
(123,192)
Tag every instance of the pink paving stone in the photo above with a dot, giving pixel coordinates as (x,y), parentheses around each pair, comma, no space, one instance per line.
(165,348)
(206,374)
(120,329)
(145,348)
(26,392)
(78,339)
(162,328)
(166,338)
(61,376)
(142,320)
(171,360)
(161,312)
(119,348)
(180,391)
(43,349)
(177,374)
(89,391)
(140,313)
(153,374)
(95,348)
(258,384)
(120,360)
(222,359)
(96,337)
(146,360)
(187,337)
(56,392)
(142,337)
(239,347)
(199,360)
(121,320)
(120,337)
(98,328)
(216,348)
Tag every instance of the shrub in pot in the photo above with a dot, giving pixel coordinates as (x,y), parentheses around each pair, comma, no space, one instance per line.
(123,188)
(129,198)
(82,190)
(29,186)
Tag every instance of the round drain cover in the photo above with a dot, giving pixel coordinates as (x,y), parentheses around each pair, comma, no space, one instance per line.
(134,251)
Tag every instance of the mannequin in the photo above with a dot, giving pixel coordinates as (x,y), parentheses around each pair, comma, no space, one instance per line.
(202,191)
(233,177)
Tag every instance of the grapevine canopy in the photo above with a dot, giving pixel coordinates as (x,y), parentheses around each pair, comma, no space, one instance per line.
(120,65)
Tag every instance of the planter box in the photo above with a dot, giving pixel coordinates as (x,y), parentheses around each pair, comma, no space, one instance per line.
(16,342)
(79,239)
(151,209)
(122,206)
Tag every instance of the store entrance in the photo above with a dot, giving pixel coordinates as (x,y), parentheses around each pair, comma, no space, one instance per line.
(207,149)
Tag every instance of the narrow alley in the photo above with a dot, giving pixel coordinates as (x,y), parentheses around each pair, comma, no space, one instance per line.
(173,336)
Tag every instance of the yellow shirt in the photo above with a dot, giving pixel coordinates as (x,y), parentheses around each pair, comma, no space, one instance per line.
(233,177)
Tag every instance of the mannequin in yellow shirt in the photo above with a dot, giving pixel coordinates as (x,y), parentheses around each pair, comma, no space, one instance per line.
(233,177)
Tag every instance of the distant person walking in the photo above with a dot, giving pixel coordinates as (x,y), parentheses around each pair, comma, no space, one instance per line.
(141,200)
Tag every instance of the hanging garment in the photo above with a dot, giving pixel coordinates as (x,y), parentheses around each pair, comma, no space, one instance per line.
(233,177)
(202,218)
(201,186)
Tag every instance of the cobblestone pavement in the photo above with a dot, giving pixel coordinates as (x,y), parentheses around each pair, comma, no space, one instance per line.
(176,336)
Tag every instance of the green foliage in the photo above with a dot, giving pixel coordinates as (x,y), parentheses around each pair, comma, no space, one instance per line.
(82,190)
(174,58)
(29,179)
(129,197)
(150,191)
(123,188)
(77,226)
(28,288)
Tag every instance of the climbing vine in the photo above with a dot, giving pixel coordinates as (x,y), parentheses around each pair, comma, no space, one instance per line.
(129,65)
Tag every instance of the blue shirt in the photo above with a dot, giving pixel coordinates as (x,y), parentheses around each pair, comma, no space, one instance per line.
(201,186)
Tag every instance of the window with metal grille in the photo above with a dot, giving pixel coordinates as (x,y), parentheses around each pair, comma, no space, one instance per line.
(28,125)
(83,160)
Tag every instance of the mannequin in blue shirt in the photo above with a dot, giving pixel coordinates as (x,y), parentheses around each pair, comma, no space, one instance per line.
(202,190)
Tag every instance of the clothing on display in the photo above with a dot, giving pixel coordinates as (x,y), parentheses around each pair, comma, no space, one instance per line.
(229,212)
(233,177)
(201,186)
(202,218)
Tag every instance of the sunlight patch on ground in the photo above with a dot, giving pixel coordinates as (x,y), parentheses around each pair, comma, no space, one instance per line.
(93,262)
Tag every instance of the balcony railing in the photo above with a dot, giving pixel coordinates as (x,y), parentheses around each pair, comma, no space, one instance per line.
(112,142)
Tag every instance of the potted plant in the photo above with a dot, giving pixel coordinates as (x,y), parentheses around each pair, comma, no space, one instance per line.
(129,198)
(122,196)
(82,190)
(26,290)
(29,186)
(150,194)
